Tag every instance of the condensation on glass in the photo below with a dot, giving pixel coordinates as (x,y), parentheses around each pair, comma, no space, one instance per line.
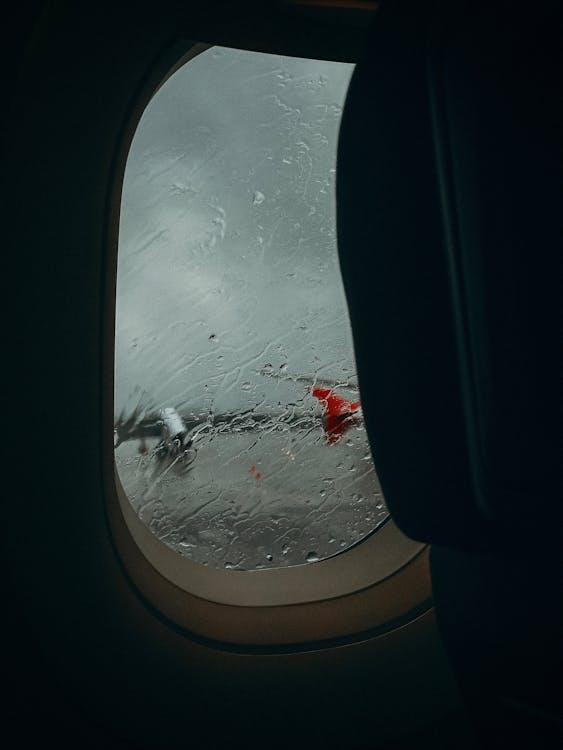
(239,437)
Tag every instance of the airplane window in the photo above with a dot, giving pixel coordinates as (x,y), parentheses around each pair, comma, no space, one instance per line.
(239,436)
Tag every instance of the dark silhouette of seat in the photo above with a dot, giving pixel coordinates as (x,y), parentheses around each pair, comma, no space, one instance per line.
(446,196)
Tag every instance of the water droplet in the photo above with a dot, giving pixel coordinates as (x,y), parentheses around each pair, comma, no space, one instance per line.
(342,543)
(258,198)
(285,549)
(269,558)
(245,386)
(213,337)
(229,565)
(331,540)
(312,557)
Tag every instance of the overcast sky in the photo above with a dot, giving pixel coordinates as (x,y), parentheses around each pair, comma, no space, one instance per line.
(227,247)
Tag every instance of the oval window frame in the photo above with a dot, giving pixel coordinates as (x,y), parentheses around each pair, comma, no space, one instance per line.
(379,583)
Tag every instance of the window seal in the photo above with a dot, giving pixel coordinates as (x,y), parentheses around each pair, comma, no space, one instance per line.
(375,584)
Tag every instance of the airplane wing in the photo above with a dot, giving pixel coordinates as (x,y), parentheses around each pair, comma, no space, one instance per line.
(136,427)
(337,415)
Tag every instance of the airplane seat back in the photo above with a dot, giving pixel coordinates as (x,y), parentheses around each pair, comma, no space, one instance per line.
(446,190)
(446,223)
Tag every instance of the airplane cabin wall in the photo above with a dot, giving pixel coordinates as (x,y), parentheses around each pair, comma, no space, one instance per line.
(88,658)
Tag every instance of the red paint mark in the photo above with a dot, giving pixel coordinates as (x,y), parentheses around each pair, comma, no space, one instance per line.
(258,475)
(338,413)
(252,469)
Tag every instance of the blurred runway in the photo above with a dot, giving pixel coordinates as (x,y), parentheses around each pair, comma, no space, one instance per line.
(275,496)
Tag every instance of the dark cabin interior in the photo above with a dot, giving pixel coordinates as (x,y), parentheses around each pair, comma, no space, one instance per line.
(447,206)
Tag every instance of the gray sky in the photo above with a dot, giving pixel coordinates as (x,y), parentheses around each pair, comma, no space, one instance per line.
(227,248)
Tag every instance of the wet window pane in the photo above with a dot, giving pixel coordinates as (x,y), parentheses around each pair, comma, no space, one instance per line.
(239,435)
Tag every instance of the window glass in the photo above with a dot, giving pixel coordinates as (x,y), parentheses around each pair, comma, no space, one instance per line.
(239,437)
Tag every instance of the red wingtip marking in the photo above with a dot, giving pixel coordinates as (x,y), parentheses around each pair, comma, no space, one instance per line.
(338,413)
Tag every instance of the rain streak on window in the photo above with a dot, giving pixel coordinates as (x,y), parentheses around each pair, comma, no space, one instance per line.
(239,436)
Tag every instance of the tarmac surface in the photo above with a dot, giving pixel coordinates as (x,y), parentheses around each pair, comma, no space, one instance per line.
(273,496)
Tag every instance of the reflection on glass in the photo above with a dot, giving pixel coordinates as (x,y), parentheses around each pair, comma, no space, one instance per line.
(239,434)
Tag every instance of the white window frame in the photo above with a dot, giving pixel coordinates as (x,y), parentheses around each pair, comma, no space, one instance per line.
(378,584)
